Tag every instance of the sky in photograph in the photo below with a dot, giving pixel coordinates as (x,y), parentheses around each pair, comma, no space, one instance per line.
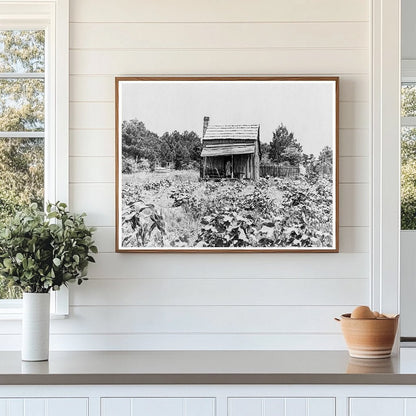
(306,108)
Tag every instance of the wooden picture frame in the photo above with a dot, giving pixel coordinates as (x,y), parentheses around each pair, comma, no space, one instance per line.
(227,164)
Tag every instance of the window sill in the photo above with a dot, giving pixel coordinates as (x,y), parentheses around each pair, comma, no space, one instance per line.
(16,315)
(11,309)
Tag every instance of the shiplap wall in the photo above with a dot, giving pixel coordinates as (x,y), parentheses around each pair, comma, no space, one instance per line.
(214,301)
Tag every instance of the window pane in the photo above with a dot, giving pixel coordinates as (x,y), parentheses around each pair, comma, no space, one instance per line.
(9,292)
(22,105)
(21,183)
(408,178)
(21,173)
(22,51)
(408,99)
(22,108)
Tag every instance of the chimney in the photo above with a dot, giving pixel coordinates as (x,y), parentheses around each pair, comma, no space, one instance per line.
(206,122)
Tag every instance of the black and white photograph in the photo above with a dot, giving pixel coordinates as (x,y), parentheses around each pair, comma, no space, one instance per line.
(227,164)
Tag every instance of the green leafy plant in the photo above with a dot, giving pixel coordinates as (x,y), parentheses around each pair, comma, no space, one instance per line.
(43,251)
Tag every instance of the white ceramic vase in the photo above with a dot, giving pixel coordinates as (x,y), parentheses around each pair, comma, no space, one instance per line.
(35,326)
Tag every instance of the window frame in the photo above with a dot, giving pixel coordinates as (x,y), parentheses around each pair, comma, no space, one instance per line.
(53,17)
(408,75)
(385,156)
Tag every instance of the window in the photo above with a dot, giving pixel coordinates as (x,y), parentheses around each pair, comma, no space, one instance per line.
(408,154)
(22,124)
(33,113)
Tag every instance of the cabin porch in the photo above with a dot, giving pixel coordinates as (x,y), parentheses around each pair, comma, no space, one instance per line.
(228,167)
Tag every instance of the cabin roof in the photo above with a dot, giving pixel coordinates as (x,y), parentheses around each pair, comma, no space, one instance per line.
(232,132)
(228,149)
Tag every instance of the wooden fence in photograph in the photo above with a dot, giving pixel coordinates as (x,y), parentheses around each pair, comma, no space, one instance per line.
(279,171)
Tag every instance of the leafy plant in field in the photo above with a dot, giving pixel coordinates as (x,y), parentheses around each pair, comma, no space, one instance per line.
(183,198)
(226,229)
(305,218)
(233,214)
(157,185)
(183,195)
(141,222)
(258,200)
(130,193)
(270,212)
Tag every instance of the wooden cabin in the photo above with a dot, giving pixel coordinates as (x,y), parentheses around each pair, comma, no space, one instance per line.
(230,151)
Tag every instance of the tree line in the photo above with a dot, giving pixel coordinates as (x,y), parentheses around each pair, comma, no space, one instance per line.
(285,149)
(143,149)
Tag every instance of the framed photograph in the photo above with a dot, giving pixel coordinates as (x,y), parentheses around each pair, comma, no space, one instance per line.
(229,164)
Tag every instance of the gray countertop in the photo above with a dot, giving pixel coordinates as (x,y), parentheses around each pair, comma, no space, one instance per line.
(208,367)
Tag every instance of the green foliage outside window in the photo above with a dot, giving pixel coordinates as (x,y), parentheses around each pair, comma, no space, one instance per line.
(408,160)
(408,100)
(21,110)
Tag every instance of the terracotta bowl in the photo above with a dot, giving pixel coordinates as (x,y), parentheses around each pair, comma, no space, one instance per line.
(369,338)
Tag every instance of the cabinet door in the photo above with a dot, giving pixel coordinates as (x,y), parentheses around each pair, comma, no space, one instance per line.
(281,406)
(160,406)
(377,406)
(44,407)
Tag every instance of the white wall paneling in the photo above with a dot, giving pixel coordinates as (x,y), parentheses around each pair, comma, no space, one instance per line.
(219,35)
(189,11)
(219,301)
(353,169)
(95,169)
(189,340)
(343,265)
(98,142)
(221,291)
(96,199)
(353,142)
(200,320)
(354,204)
(222,61)
(100,88)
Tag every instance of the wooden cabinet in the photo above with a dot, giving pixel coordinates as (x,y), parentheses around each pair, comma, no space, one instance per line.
(44,407)
(382,406)
(281,407)
(158,406)
(208,400)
